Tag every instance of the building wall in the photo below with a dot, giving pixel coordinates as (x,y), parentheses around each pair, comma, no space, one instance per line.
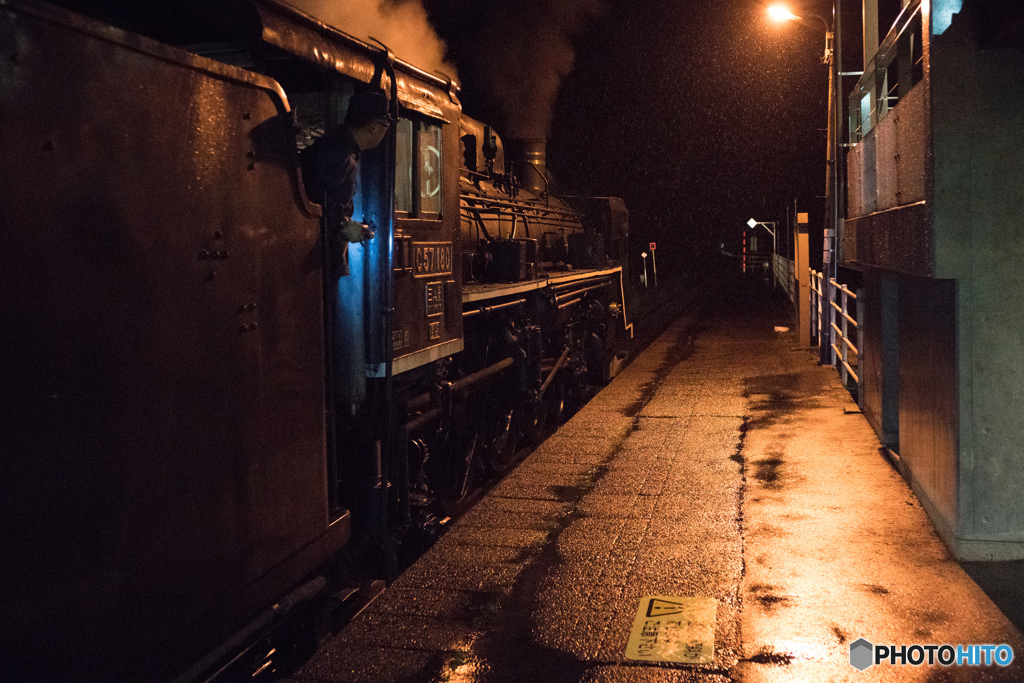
(880,359)
(936,206)
(928,411)
(888,224)
(888,235)
(978,223)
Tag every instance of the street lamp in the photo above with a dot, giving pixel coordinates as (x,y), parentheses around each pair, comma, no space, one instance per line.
(764,224)
(781,13)
(833,191)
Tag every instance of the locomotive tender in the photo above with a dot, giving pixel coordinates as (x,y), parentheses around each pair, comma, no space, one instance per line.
(193,441)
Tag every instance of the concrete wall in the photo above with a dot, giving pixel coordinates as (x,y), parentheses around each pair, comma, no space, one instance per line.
(978,222)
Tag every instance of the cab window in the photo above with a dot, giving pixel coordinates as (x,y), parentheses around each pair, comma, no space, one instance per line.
(403,167)
(418,169)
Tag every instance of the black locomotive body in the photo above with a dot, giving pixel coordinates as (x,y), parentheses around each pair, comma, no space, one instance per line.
(193,440)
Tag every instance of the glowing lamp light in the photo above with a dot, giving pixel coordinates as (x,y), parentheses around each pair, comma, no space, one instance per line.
(781,13)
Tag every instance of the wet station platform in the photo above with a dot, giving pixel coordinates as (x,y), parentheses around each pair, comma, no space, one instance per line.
(722,463)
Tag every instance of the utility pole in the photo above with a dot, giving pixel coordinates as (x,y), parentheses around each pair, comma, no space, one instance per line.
(654,263)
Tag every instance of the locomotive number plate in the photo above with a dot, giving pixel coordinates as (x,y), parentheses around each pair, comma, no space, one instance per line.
(434,330)
(435,298)
(431,258)
(400,339)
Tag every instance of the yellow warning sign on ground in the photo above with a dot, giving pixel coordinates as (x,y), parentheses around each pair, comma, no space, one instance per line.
(672,629)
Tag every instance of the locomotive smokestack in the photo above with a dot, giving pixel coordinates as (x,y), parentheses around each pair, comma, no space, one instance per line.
(529,163)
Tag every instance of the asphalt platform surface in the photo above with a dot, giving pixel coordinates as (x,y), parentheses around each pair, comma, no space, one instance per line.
(723,462)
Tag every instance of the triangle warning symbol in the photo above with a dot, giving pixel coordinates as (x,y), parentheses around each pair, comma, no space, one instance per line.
(663,608)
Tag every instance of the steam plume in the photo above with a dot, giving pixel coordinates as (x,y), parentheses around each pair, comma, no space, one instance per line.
(402,25)
(521,51)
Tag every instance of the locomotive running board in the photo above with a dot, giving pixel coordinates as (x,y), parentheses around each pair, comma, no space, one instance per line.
(414,360)
(486,291)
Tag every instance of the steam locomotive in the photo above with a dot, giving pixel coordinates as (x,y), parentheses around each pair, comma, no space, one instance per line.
(194,442)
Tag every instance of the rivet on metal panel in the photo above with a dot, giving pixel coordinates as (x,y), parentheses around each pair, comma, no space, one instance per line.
(241,309)
(251,307)
(204,255)
(242,329)
(218,234)
(222,255)
(211,275)
(252,326)
(247,115)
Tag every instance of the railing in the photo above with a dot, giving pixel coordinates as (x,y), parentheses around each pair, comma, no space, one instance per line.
(816,306)
(757,262)
(892,72)
(841,335)
(834,320)
(785,275)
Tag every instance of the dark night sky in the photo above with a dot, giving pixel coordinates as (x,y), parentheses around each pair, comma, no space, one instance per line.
(699,113)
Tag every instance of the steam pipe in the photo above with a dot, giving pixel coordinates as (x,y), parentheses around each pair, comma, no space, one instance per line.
(420,421)
(551,375)
(578,292)
(495,307)
(471,380)
(246,633)
(522,207)
(569,285)
(569,303)
(483,227)
(562,297)
(464,384)
(418,402)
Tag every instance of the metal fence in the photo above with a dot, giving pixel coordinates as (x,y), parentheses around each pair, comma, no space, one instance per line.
(785,276)
(840,324)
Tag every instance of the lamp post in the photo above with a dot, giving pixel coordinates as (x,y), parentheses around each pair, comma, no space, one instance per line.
(764,224)
(833,188)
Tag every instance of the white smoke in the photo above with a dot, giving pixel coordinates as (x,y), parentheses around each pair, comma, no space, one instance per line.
(402,25)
